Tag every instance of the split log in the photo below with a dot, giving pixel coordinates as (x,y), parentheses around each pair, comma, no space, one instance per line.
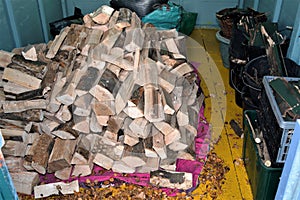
(61,154)
(54,105)
(182,69)
(101,93)
(139,126)
(13,134)
(104,108)
(5,58)
(169,179)
(134,39)
(159,145)
(63,174)
(83,126)
(110,82)
(134,156)
(102,14)
(152,164)
(120,62)
(50,75)
(153,109)
(72,40)
(47,126)
(91,41)
(103,161)
(41,149)
(130,141)
(167,103)
(95,123)
(88,81)
(21,79)
(121,167)
(42,191)
(29,53)
(58,40)
(110,37)
(113,19)
(135,22)
(67,95)
(124,18)
(124,93)
(24,182)
(14,148)
(63,114)
(170,134)
(115,122)
(182,114)
(82,170)
(35,115)
(83,103)
(167,80)
(20,106)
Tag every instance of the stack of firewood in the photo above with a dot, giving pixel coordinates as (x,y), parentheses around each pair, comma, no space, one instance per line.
(113,92)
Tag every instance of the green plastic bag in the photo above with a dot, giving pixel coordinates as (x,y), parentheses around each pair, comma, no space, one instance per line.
(167,16)
(188,22)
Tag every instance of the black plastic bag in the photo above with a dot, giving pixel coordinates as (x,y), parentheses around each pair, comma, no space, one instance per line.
(56,26)
(140,7)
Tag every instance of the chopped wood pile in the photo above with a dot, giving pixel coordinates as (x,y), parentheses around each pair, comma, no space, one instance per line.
(113,92)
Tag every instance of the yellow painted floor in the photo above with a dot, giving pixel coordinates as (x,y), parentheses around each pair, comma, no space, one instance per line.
(203,47)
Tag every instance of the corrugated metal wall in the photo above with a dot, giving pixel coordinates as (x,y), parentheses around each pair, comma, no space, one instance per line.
(26,22)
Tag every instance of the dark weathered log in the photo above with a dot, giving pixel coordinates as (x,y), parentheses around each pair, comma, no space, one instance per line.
(50,75)
(61,154)
(102,14)
(88,80)
(41,149)
(124,18)
(28,115)
(71,41)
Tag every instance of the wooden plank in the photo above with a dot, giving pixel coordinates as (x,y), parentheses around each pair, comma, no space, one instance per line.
(46,190)
(58,40)
(21,79)
(41,149)
(61,154)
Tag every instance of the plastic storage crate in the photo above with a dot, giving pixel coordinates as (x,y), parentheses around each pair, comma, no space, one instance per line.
(263,180)
(286,126)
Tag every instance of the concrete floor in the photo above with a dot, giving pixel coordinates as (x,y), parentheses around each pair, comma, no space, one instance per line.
(203,48)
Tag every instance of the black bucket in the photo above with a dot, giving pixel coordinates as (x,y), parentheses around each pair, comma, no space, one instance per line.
(259,67)
(252,76)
